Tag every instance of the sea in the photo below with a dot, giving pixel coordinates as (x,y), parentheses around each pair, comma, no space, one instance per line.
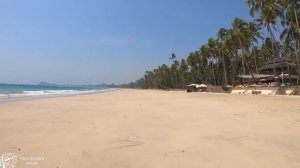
(13,91)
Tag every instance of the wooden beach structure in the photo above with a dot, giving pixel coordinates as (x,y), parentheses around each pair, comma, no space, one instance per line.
(277,76)
(277,72)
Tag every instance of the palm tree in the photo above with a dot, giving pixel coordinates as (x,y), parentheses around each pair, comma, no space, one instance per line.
(291,33)
(292,11)
(173,68)
(174,73)
(222,37)
(268,11)
(194,61)
(173,57)
(241,34)
(255,35)
(210,52)
(204,52)
(183,72)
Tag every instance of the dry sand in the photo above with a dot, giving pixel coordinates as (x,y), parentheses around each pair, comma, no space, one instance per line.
(155,129)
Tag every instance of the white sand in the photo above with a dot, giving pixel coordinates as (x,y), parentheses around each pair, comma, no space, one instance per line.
(155,129)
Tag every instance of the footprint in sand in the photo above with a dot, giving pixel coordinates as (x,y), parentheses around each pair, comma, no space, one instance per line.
(223,138)
(127,142)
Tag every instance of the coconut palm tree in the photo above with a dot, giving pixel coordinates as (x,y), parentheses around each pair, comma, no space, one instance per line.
(292,8)
(207,52)
(241,35)
(173,68)
(183,73)
(222,37)
(268,11)
(255,35)
(291,32)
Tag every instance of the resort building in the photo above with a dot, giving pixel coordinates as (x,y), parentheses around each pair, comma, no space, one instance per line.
(277,72)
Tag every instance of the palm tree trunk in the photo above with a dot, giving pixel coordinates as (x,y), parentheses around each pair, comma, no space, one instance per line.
(296,53)
(272,41)
(298,62)
(243,52)
(225,71)
(232,74)
(297,50)
(255,63)
(216,69)
(297,57)
(214,76)
(297,21)
(224,67)
(273,49)
(232,70)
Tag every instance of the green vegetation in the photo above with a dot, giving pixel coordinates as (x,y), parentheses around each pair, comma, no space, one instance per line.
(238,50)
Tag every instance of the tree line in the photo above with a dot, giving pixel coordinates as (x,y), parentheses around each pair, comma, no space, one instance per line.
(238,50)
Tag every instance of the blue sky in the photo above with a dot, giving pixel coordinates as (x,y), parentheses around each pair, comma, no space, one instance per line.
(103,41)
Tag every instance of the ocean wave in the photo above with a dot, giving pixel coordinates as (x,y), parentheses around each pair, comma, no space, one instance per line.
(35,93)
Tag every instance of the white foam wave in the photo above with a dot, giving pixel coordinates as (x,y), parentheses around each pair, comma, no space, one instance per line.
(51,93)
(3,96)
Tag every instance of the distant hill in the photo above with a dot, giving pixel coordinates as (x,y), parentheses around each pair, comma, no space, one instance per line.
(88,85)
(47,84)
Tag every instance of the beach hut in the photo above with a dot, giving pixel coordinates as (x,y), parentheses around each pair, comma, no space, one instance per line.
(277,72)
(196,88)
(283,70)
(202,88)
(192,88)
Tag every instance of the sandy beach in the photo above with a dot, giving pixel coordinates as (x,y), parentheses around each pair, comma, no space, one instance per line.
(154,129)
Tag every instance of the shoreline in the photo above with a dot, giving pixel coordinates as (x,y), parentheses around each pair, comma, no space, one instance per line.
(29,98)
